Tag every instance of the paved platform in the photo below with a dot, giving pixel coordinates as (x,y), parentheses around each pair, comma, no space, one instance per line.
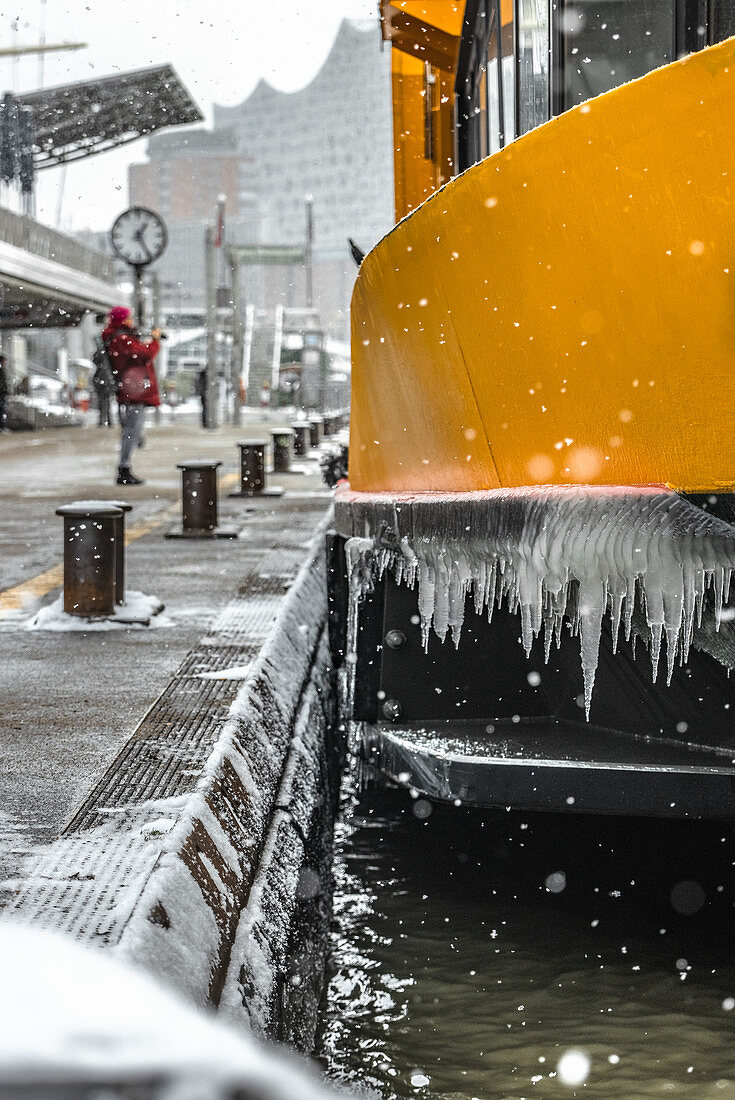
(72,701)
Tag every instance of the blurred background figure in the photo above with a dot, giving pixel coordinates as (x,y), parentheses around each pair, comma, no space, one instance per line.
(104,388)
(200,389)
(4,386)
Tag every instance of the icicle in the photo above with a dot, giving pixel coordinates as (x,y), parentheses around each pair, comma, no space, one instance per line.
(592,603)
(553,555)
(616,612)
(656,633)
(719,586)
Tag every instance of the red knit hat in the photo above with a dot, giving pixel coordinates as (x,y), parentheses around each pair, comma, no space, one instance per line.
(118,314)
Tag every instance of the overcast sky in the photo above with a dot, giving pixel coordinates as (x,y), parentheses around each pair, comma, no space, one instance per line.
(220,49)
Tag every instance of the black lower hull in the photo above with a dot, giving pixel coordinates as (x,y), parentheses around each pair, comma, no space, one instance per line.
(486,725)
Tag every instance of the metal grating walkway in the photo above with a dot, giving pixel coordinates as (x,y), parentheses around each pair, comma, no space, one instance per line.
(166,754)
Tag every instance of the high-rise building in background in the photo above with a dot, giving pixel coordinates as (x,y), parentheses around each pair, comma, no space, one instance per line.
(331,140)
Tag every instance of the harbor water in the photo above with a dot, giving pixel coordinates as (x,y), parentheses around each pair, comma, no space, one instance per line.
(483,955)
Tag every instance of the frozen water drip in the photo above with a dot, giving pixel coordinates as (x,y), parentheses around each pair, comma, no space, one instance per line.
(550,554)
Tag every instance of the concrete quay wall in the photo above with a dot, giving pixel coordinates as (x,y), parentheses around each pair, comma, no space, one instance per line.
(223,892)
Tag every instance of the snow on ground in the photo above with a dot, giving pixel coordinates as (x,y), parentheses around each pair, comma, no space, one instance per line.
(16,847)
(138,612)
(236,672)
(71,1014)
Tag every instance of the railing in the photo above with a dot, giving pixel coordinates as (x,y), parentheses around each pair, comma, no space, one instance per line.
(40,240)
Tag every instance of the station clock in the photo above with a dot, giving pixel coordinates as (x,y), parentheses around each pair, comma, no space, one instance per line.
(139,236)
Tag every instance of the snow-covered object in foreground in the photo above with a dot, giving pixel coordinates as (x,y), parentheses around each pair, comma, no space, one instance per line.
(72,1015)
(548,553)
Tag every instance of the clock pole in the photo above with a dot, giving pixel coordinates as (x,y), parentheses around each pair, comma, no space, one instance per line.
(138,295)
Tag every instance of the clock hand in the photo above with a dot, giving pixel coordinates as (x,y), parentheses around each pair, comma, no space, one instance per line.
(139,236)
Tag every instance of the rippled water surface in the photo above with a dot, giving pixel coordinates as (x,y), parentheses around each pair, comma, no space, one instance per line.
(472,950)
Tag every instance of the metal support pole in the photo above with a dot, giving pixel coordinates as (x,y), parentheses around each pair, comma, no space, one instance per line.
(138,295)
(300,437)
(282,449)
(252,466)
(90,553)
(316,430)
(238,339)
(199,503)
(162,363)
(156,295)
(252,471)
(211,415)
(120,548)
(199,495)
(309,252)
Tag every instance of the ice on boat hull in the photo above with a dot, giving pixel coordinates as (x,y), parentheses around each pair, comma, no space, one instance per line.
(552,555)
(597,569)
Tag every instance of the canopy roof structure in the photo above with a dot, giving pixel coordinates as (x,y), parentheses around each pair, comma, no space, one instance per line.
(77,120)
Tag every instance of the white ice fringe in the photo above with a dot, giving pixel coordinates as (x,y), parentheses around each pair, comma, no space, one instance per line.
(548,553)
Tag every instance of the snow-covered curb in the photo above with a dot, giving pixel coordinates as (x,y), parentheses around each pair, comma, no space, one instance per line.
(164,883)
(184,922)
(287,874)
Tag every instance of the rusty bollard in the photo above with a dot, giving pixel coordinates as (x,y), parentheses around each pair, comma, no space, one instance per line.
(90,557)
(120,549)
(252,471)
(300,437)
(199,503)
(316,430)
(282,449)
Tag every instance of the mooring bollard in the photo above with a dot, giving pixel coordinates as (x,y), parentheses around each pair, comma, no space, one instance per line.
(316,430)
(199,503)
(300,437)
(90,557)
(282,449)
(120,549)
(252,471)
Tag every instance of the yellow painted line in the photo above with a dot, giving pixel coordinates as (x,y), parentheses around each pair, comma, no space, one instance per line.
(18,597)
(14,599)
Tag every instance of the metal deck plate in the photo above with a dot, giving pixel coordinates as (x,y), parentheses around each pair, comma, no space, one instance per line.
(554,766)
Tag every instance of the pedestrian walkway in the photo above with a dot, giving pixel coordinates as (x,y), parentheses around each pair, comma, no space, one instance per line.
(88,883)
(130,715)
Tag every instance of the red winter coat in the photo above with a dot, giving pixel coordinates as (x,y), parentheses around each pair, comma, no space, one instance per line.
(137,386)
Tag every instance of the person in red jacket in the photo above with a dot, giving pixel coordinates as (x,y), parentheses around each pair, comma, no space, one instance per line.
(131,362)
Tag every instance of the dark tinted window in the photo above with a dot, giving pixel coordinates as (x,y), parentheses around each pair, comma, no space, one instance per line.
(606,43)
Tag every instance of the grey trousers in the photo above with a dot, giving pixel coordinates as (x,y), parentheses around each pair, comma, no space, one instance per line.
(132,418)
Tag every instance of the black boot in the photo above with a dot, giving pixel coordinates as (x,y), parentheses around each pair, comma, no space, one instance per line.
(125,477)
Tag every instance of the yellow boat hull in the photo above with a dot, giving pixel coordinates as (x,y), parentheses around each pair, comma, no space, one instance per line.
(564,311)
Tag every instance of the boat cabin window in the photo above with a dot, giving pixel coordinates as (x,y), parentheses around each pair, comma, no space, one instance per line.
(533,64)
(495,137)
(722,21)
(522,61)
(605,43)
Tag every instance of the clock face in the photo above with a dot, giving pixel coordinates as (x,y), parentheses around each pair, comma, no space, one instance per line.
(139,236)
